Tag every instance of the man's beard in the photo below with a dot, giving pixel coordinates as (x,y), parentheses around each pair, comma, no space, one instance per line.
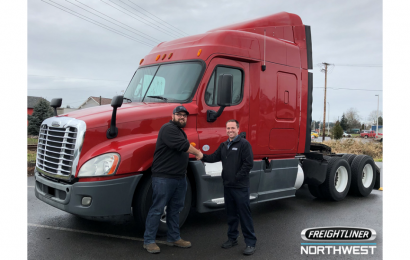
(179,124)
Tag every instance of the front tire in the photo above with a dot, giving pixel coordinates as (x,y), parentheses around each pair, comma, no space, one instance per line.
(363,175)
(338,179)
(143,201)
(365,137)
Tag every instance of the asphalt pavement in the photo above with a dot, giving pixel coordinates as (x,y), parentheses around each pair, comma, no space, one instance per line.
(54,234)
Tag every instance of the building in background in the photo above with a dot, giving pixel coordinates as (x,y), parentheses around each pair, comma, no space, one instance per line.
(32,102)
(380,128)
(95,101)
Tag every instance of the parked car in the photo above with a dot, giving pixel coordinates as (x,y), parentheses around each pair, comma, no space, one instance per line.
(369,133)
(314,134)
(379,137)
(346,134)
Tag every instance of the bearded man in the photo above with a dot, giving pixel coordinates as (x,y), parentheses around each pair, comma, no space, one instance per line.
(169,183)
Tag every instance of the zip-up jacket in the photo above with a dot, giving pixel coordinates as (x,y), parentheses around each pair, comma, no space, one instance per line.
(170,156)
(237,162)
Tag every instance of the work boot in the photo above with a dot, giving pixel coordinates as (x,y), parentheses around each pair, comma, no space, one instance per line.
(180,243)
(249,250)
(152,248)
(230,243)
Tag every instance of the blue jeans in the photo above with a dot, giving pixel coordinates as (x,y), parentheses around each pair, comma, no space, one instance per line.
(165,192)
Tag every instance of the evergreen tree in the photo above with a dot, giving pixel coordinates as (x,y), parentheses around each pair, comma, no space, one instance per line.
(343,122)
(337,131)
(380,120)
(41,112)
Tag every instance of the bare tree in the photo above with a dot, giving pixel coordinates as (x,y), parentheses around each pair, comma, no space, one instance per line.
(353,118)
(373,115)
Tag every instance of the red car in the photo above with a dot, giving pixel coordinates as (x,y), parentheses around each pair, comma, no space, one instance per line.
(369,133)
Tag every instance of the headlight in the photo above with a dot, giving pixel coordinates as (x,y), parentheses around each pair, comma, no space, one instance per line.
(102,165)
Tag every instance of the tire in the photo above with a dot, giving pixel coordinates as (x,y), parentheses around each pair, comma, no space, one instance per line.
(365,137)
(363,175)
(143,200)
(314,190)
(338,178)
(349,158)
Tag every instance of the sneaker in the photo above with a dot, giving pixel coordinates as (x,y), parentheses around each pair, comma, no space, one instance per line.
(249,250)
(230,243)
(152,248)
(180,243)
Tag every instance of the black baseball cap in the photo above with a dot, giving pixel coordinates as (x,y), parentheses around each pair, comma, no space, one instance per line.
(180,109)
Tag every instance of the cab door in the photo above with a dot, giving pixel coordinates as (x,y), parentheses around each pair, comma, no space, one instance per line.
(212,134)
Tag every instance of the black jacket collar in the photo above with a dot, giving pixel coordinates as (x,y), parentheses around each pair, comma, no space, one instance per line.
(234,141)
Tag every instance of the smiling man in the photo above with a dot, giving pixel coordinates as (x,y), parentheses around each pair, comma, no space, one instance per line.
(169,184)
(237,161)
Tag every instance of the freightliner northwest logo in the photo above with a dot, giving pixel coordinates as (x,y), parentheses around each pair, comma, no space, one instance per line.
(338,241)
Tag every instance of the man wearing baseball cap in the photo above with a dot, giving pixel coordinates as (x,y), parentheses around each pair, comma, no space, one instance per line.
(169,183)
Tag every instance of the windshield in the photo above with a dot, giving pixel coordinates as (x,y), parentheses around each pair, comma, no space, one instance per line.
(173,82)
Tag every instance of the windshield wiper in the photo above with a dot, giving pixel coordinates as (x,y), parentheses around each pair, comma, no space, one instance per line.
(127,99)
(159,97)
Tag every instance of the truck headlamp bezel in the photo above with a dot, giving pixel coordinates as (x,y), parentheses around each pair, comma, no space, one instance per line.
(100,166)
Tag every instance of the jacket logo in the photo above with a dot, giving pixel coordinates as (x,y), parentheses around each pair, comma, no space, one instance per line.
(235,148)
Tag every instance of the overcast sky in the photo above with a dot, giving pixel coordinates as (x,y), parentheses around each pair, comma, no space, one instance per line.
(71,58)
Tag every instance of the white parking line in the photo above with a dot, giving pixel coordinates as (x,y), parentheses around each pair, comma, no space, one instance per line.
(93,233)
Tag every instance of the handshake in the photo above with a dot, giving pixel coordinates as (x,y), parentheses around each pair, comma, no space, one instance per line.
(199,155)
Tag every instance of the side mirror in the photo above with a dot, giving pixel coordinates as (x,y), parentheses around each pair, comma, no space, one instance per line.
(224,98)
(225,89)
(116,102)
(56,102)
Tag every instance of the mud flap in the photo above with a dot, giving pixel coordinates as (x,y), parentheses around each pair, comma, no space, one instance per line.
(377,183)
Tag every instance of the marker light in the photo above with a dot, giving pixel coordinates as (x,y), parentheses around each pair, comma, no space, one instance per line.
(199,52)
(193,144)
(163,56)
(142,60)
(170,55)
(102,165)
(158,57)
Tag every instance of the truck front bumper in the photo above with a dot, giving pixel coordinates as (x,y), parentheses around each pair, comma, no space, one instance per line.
(108,198)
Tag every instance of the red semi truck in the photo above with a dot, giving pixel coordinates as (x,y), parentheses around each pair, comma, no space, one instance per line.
(95,162)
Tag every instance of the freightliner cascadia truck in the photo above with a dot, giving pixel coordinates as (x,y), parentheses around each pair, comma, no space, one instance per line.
(95,162)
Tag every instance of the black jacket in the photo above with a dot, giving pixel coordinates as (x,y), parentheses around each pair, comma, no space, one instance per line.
(170,156)
(237,162)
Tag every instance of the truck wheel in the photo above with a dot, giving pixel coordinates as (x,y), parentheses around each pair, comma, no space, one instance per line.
(363,175)
(365,137)
(338,178)
(143,201)
(349,158)
(314,190)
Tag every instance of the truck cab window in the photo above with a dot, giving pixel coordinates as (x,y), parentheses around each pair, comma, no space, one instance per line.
(211,90)
(175,82)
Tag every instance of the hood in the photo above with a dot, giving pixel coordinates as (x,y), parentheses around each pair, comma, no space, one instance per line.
(128,112)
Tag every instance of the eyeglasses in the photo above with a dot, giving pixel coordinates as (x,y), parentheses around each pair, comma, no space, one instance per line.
(181,115)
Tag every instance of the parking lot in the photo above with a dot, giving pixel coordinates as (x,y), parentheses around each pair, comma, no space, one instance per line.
(54,234)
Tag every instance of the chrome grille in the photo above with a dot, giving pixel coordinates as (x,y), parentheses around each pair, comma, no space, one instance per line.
(59,146)
(55,150)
